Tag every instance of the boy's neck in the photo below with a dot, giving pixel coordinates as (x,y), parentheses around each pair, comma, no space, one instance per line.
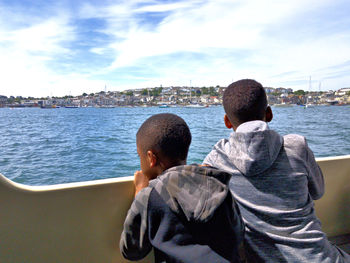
(268,116)
(165,165)
(236,127)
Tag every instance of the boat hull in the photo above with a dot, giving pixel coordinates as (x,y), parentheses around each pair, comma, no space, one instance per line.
(82,222)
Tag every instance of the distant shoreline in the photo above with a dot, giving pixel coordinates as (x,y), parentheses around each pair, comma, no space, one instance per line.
(175,97)
(167,106)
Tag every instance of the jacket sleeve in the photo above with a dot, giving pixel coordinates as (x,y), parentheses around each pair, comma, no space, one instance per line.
(315,176)
(212,157)
(134,242)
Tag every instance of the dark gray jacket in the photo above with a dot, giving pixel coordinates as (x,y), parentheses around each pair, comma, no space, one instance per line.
(187,214)
(274,181)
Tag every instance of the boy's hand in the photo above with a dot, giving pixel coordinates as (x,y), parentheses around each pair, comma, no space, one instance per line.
(140,181)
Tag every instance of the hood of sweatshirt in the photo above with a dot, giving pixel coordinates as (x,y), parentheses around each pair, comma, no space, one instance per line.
(192,190)
(252,148)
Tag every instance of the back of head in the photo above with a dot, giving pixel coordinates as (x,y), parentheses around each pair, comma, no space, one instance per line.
(245,100)
(165,134)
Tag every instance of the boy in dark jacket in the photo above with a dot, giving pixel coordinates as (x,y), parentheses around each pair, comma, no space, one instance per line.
(185,212)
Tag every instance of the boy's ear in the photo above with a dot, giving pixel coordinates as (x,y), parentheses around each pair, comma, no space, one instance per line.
(268,114)
(152,159)
(228,124)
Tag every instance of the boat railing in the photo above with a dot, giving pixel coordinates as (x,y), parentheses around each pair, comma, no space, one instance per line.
(82,222)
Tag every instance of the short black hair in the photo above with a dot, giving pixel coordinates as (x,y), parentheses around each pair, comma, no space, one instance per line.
(245,100)
(167,134)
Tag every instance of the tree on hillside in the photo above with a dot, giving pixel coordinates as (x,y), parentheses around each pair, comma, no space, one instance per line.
(212,91)
(299,92)
(205,91)
(157,91)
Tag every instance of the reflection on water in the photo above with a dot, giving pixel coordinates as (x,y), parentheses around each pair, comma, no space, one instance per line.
(39,146)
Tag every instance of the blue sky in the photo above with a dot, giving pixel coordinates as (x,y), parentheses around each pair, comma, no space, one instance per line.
(55,48)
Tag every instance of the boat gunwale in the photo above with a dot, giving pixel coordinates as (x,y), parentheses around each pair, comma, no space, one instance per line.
(92,183)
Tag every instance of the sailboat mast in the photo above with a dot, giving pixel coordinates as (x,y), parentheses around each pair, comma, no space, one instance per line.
(190,91)
(310,84)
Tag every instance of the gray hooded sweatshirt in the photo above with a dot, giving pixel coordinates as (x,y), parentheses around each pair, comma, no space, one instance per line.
(188,215)
(274,181)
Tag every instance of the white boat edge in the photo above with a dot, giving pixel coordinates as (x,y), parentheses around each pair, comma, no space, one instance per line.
(38,188)
(82,222)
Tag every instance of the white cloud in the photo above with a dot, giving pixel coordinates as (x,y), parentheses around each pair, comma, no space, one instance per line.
(164,7)
(239,25)
(208,42)
(197,28)
(97,50)
(25,53)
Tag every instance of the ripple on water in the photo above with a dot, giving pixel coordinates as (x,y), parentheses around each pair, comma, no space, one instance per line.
(41,147)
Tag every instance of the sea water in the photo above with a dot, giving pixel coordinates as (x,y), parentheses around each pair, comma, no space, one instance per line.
(51,146)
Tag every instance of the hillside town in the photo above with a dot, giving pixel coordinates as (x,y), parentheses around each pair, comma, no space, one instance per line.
(176,96)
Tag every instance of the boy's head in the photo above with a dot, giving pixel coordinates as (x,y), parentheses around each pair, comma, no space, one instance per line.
(245,100)
(162,142)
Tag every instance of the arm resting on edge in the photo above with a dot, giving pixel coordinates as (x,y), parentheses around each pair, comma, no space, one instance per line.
(315,176)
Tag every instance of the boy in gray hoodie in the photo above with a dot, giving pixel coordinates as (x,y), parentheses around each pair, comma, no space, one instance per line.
(185,212)
(274,181)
